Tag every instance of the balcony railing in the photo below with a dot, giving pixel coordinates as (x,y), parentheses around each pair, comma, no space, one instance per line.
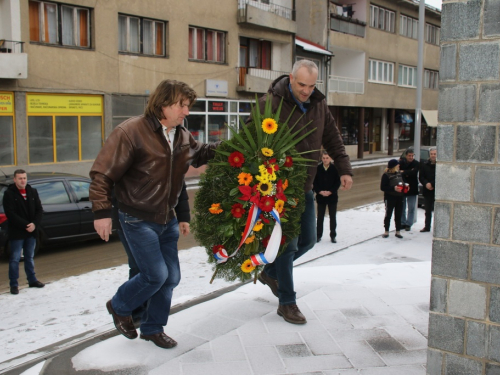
(347,85)
(260,73)
(271,7)
(11,46)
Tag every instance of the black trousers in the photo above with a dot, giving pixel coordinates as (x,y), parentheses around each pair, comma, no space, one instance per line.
(332,210)
(395,204)
(429,207)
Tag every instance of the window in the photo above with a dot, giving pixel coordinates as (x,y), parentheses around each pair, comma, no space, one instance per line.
(431,79)
(52,193)
(7,150)
(81,189)
(408,27)
(255,53)
(381,72)
(407,76)
(53,23)
(432,34)
(141,36)
(207,45)
(383,19)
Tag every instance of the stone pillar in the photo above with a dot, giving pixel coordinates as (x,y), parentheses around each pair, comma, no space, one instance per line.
(464,319)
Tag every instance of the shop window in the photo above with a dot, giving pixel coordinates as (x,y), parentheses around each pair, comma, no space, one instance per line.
(141,36)
(54,23)
(350,126)
(207,45)
(7,145)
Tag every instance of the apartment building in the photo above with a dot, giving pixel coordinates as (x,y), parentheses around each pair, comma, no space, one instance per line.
(71,71)
(372,71)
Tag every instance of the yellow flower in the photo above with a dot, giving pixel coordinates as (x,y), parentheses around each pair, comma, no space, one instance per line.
(215,209)
(245,178)
(272,176)
(264,178)
(250,239)
(247,266)
(258,226)
(267,152)
(269,126)
(279,205)
(265,188)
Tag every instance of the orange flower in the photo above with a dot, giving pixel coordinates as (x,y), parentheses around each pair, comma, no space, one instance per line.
(285,184)
(215,209)
(247,266)
(250,239)
(269,126)
(245,178)
(279,205)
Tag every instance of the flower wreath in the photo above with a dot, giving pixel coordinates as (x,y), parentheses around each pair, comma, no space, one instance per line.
(248,205)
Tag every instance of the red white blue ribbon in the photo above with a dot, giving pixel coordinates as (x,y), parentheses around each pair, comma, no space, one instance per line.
(221,255)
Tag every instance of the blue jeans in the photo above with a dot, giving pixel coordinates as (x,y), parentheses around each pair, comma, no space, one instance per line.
(282,268)
(154,248)
(408,217)
(16,247)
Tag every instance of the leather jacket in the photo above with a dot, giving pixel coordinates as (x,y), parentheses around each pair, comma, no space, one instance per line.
(136,161)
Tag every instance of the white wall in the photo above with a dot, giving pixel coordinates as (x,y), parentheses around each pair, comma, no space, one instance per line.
(348,63)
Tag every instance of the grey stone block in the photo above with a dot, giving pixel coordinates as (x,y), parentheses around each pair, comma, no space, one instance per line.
(472,223)
(439,290)
(491,26)
(496,226)
(450,259)
(485,264)
(442,218)
(484,179)
(457,103)
(453,182)
(434,362)
(455,365)
(476,143)
(445,142)
(467,15)
(477,339)
(492,369)
(446,333)
(494,343)
(448,62)
(489,97)
(479,62)
(467,300)
(495,304)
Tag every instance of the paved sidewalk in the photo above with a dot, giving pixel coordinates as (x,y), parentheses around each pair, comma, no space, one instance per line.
(367,311)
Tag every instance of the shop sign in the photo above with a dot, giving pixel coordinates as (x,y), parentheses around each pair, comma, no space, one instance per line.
(6,103)
(40,103)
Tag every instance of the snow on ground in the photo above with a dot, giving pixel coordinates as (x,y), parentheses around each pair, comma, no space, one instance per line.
(75,305)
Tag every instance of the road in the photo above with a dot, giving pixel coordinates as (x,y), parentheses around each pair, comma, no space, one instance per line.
(70,260)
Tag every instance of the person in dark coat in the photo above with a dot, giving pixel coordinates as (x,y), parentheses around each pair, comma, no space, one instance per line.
(428,180)
(409,170)
(326,183)
(392,186)
(24,211)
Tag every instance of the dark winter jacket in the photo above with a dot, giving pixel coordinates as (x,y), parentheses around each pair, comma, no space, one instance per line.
(22,212)
(428,174)
(409,171)
(319,117)
(328,180)
(387,184)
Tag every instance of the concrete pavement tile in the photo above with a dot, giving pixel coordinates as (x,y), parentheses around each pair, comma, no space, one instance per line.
(306,310)
(423,328)
(316,363)
(265,360)
(253,326)
(172,367)
(357,334)
(280,325)
(292,351)
(377,321)
(360,354)
(408,296)
(246,311)
(276,338)
(357,294)
(385,344)
(228,347)
(355,312)
(375,306)
(408,357)
(219,368)
(341,372)
(328,304)
(412,314)
(333,319)
(212,327)
(197,356)
(320,343)
(399,370)
(317,295)
(411,339)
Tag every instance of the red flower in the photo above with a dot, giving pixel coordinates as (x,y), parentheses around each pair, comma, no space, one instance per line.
(237,210)
(282,213)
(246,191)
(265,241)
(283,240)
(217,248)
(280,192)
(288,162)
(264,219)
(266,204)
(236,159)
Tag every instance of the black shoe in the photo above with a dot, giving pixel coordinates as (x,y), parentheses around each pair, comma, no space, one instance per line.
(407,228)
(398,235)
(270,282)
(425,230)
(36,284)
(385,236)
(161,340)
(319,239)
(334,240)
(14,290)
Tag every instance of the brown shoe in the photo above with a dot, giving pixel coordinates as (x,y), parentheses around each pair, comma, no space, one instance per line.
(291,314)
(161,340)
(270,282)
(123,324)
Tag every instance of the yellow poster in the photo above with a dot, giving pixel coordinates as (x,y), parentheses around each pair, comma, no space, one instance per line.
(6,103)
(40,103)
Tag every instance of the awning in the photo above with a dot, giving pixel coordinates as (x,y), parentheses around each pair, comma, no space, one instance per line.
(431,117)
(311,47)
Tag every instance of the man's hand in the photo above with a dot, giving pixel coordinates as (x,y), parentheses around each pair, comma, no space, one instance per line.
(184,228)
(30,227)
(345,182)
(103,228)
(429,186)
(325,193)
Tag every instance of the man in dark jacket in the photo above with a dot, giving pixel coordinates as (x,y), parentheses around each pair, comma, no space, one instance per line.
(409,170)
(145,160)
(306,106)
(427,178)
(326,184)
(24,212)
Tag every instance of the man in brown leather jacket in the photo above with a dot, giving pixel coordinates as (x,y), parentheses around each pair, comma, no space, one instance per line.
(145,160)
(308,107)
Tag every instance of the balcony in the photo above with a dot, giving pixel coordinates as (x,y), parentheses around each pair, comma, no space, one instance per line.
(13,60)
(346,85)
(272,16)
(256,80)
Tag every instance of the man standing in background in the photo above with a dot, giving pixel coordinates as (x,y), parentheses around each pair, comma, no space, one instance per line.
(428,180)
(409,170)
